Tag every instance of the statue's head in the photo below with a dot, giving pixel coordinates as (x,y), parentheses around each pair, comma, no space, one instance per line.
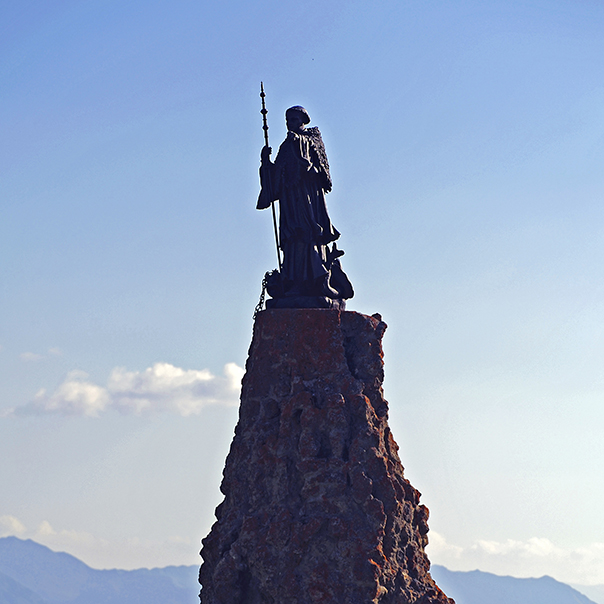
(296,118)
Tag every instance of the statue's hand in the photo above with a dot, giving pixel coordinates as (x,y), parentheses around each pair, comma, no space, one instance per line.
(266,153)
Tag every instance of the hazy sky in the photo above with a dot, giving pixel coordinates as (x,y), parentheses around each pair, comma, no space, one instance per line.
(466,140)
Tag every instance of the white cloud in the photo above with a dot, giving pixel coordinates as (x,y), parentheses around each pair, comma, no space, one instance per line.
(533,547)
(534,557)
(440,546)
(31,356)
(75,396)
(45,530)
(9,525)
(162,387)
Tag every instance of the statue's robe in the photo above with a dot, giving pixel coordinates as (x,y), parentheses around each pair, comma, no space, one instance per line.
(299,178)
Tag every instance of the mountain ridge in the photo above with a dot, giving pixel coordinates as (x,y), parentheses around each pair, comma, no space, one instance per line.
(477,587)
(57,577)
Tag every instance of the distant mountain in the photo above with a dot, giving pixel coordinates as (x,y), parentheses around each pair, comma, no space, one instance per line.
(31,573)
(594,592)
(477,587)
(12,592)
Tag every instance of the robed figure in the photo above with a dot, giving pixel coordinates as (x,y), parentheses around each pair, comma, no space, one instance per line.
(311,274)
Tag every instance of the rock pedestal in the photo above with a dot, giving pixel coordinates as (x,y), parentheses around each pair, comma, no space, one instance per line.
(316,506)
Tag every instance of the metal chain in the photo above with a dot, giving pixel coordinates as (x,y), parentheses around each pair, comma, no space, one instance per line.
(260,304)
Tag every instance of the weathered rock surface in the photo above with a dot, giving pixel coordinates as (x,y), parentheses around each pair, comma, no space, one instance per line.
(316,506)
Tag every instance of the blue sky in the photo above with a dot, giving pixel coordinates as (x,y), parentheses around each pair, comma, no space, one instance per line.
(466,141)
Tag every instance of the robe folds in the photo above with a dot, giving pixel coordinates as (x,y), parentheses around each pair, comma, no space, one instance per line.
(299,178)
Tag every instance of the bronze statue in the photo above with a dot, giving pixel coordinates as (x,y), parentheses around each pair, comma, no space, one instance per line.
(310,274)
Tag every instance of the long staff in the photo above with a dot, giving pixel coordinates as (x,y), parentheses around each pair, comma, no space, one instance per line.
(265,128)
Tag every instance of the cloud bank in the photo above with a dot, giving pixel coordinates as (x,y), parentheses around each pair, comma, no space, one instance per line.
(534,557)
(160,388)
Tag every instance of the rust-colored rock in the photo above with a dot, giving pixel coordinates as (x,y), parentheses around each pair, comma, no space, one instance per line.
(316,506)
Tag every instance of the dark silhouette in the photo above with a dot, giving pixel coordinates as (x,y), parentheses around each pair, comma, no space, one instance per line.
(310,274)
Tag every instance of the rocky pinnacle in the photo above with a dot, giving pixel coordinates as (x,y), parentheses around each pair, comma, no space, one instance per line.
(316,507)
